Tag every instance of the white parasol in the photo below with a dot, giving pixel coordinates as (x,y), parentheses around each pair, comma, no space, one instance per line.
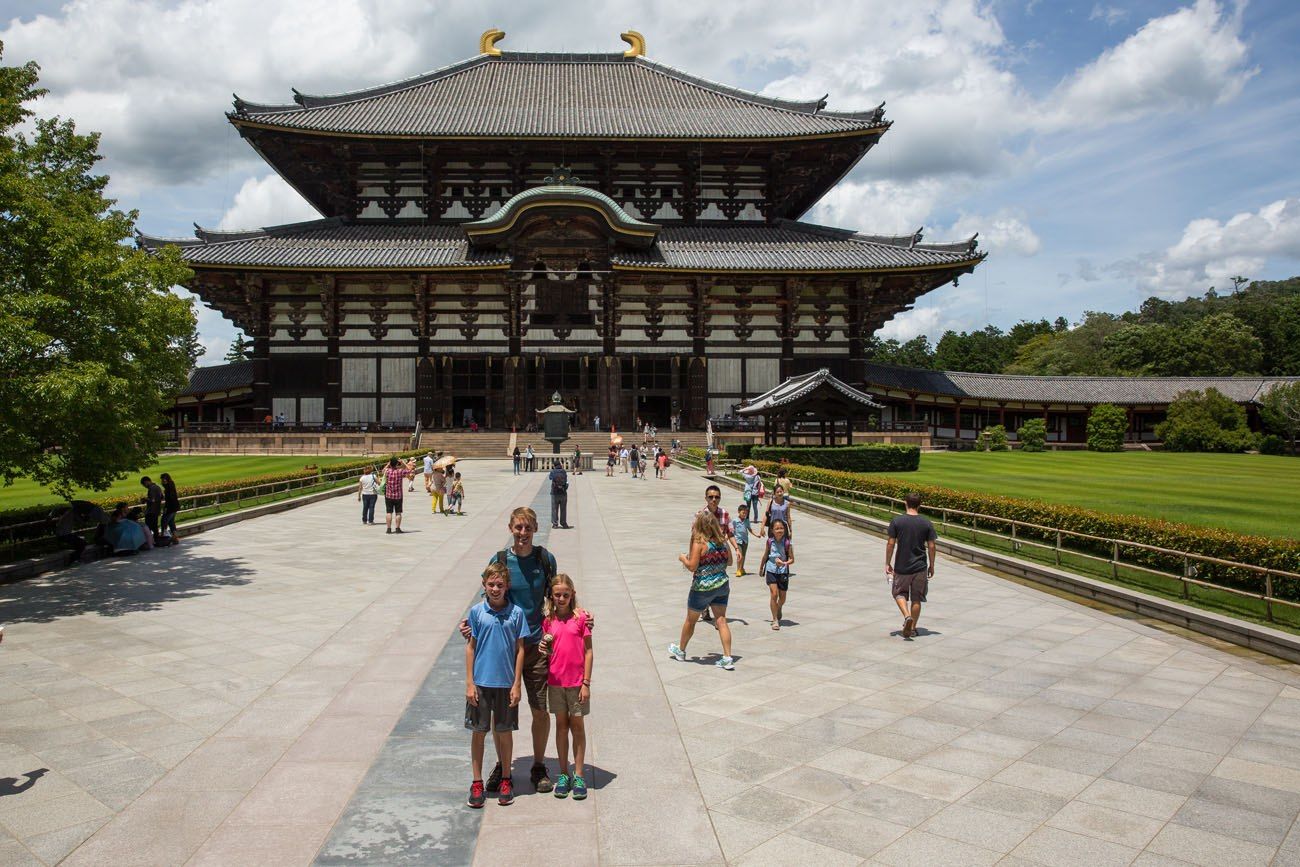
(443,462)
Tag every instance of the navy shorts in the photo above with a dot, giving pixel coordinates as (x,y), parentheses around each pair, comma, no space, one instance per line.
(782,582)
(698,600)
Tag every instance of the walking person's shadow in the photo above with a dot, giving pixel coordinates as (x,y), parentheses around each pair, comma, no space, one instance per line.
(11,786)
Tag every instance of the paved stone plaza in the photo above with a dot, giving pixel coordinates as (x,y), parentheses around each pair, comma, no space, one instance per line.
(284,691)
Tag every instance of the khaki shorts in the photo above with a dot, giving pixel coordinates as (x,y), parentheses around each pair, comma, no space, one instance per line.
(564,699)
(913,586)
(536,669)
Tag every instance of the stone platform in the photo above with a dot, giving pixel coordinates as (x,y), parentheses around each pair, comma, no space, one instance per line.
(289,691)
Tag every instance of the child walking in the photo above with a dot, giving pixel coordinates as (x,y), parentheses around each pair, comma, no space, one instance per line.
(494,662)
(740,527)
(777,558)
(708,560)
(456,499)
(567,638)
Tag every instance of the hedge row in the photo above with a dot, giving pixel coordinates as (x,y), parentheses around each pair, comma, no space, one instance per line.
(739,451)
(870,458)
(1280,554)
(207,494)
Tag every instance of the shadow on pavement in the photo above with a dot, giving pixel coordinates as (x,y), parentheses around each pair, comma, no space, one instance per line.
(11,786)
(116,586)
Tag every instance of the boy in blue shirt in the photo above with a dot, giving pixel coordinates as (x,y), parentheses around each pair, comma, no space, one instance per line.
(740,526)
(494,663)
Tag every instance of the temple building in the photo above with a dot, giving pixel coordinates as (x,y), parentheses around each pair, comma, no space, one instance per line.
(517,224)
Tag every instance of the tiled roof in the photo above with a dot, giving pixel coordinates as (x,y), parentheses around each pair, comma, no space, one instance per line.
(1088,390)
(784,246)
(332,244)
(559,95)
(220,377)
(787,245)
(797,388)
(563,194)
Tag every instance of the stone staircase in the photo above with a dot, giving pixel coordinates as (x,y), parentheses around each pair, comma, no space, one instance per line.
(499,444)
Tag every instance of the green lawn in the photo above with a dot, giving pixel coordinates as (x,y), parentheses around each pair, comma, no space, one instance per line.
(185,470)
(1246,493)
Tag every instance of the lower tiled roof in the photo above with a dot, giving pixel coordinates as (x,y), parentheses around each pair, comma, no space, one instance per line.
(220,377)
(783,246)
(796,388)
(1086,390)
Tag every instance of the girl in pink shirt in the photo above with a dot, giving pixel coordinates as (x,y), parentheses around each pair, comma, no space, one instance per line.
(568,684)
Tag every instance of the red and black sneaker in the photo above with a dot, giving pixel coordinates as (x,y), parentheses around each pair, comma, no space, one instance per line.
(506,793)
(476,796)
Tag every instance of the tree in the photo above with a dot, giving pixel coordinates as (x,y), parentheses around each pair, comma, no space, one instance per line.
(92,340)
(1032,435)
(1107,425)
(1280,407)
(241,349)
(1205,421)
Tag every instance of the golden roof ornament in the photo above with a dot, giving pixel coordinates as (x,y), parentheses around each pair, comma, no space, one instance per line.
(487,43)
(636,40)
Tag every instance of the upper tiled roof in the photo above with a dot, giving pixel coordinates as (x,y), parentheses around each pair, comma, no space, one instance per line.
(796,388)
(640,233)
(1088,390)
(785,246)
(561,96)
(220,377)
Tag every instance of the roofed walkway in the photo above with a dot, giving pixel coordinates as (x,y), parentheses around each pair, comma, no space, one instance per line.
(284,691)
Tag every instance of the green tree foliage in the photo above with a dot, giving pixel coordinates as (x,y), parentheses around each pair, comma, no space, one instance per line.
(240,349)
(993,439)
(988,350)
(1280,407)
(913,353)
(92,340)
(1205,421)
(1107,425)
(1032,435)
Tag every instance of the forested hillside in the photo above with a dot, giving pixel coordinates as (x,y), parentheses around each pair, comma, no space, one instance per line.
(1254,330)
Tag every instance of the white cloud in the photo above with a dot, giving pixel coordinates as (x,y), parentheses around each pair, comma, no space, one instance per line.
(1002,232)
(266,201)
(1190,59)
(1210,253)
(1112,15)
(906,325)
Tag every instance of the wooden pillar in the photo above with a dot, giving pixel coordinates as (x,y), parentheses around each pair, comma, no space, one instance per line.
(957,420)
(1128,433)
(1002,414)
(333,358)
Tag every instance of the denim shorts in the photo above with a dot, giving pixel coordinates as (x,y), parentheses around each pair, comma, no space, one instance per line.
(698,600)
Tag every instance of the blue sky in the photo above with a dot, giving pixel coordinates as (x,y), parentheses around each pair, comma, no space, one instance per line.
(1105,152)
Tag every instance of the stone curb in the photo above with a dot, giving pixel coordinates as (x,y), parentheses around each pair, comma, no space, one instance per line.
(30,568)
(1254,636)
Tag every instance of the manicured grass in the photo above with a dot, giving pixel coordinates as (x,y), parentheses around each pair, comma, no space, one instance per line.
(1247,493)
(185,469)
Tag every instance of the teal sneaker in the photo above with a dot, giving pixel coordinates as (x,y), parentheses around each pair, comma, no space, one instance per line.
(579,788)
(676,653)
(562,786)
(726,663)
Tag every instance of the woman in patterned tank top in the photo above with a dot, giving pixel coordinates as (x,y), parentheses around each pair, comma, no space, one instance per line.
(709,561)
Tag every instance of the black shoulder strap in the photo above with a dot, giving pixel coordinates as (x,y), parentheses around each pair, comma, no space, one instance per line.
(548,567)
(503,558)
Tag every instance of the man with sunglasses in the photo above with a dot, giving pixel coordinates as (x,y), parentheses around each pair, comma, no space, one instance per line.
(713,505)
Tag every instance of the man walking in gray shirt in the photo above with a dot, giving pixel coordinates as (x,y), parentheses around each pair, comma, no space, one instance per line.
(912,537)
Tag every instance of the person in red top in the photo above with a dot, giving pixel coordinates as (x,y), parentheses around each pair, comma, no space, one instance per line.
(396,473)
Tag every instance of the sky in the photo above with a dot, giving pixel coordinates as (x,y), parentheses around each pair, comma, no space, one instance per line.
(1104,151)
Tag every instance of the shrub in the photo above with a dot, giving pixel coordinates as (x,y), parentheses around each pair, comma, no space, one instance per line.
(1273,445)
(1107,426)
(1205,421)
(739,451)
(1033,435)
(993,439)
(870,458)
(1281,554)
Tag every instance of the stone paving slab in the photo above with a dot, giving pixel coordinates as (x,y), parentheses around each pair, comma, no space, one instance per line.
(221,704)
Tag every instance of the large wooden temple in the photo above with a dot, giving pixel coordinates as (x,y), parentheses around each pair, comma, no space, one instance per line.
(518,224)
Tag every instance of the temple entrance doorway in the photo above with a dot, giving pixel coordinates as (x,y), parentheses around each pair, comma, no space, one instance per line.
(468,408)
(655,409)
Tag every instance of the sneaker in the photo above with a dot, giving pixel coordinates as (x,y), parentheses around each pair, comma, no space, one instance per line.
(476,797)
(494,779)
(541,780)
(388,529)
(740,572)
(579,788)
(726,663)
(398,530)
(907,627)
(676,653)
(506,794)
(562,786)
